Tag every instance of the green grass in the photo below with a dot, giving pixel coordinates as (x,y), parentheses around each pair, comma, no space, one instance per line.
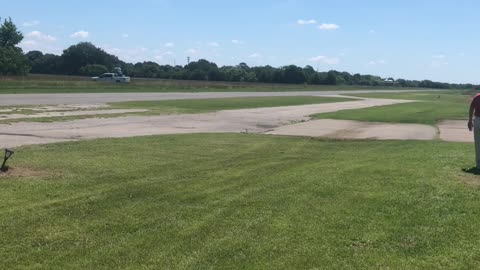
(217,104)
(35,83)
(432,108)
(240,202)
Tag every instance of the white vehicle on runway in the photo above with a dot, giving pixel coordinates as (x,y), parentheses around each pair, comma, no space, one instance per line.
(117,76)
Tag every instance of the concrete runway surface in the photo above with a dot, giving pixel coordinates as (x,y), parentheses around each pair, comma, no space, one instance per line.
(286,120)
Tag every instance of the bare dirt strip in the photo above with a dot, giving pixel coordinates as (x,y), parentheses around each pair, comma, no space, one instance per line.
(455,131)
(94,98)
(68,113)
(259,120)
(346,129)
(287,120)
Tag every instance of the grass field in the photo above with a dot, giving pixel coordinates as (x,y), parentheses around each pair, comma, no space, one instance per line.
(72,84)
(432,108)
(240,202)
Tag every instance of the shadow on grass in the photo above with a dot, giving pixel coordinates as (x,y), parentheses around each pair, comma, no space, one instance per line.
(473,170)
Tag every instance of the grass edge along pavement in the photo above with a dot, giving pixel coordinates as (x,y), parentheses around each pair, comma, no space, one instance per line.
(433,107)
(240,201)
(41,84)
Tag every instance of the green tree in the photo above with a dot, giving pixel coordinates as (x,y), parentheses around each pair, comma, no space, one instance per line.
(293,74)
(93,70)
(33,55)
(85,53)
(331,79)
(47,64)
(9,35)
(13,62)
(12,59)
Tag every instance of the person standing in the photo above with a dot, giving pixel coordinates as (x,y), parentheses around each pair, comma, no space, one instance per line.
(475,126)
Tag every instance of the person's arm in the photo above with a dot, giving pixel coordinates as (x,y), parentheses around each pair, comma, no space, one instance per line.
(470,116)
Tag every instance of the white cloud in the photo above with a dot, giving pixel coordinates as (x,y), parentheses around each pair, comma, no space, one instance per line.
(376,62)
(191,51)
(27,43)
(160,56)
(138,54)
(37,35)
(39,45)
(213,44)
(437,64)
(371,32)
(255,55)
(325,60)
(39,41)
(328,26)
(169,44)
(31,23)
(236,41)
(311,21)
(80,34)
(124,35)
(114,51)
(439,56)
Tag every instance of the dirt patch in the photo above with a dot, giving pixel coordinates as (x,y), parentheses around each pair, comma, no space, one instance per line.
(96,98)
(68,113)
(258,120)
(470,180)
(470,177)
(455,131)
(346,129)
(19,172)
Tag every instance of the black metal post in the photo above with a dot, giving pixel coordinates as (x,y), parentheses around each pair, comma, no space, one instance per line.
(8,154)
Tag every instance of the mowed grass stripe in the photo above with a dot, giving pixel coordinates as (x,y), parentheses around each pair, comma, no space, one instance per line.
(431,108)
(240,201)
(217,104)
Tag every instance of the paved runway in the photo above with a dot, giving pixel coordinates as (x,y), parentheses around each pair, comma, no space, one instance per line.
(93,98)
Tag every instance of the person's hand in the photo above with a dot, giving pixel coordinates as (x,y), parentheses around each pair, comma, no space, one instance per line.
(470,125)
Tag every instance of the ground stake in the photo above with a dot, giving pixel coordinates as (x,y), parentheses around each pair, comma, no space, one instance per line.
(8,154)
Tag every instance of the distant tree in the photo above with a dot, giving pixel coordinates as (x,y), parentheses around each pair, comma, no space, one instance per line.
(33,55)
(250,76)
(146,69)
(331,79)
(309,73)
(202,65)
(93,70)
(198,75)
(264,74)
(128,69)
(316,79)
(47,64)
(402,82)
(12,59)
(278,76)
(85,53)
(293,74)
(243,66)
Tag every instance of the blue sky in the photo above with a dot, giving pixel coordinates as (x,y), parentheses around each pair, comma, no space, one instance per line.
(422,39)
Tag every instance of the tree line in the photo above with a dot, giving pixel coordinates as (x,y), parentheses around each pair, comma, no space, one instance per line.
(86,59)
